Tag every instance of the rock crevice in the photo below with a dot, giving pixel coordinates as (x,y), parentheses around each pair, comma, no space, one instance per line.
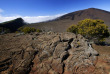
(47,53)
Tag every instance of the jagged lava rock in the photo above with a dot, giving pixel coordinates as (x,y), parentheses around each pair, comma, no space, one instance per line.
(63,53)
(16,54)
(46,53)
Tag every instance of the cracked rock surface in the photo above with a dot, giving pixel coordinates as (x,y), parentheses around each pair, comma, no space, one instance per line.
(63,53)
(46,53)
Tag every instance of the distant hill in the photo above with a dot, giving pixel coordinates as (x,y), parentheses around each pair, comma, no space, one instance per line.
(63,22)
(13,25)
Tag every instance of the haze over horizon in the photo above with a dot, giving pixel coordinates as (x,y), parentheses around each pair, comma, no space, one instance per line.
(33,11)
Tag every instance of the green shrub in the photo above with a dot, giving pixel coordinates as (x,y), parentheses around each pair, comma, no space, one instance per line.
(91,29)
(16,32)
(20,29)
(26,29)
(38,30)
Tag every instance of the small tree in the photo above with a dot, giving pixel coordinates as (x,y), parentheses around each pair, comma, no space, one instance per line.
(91,29)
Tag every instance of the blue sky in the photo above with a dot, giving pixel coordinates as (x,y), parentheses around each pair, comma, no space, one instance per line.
(33,9)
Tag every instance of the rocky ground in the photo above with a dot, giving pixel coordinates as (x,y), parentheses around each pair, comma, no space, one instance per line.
(103,63)
(52,53)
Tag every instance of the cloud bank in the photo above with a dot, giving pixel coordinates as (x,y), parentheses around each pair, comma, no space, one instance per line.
(29,19)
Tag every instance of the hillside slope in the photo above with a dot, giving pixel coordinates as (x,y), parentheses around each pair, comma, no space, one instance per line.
(63,22)
(13,25)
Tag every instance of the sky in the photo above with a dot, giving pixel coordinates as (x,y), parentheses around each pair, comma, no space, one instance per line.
(42,10)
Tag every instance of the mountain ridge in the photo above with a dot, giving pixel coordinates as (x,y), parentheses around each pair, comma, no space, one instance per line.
(62,23)
(13,25)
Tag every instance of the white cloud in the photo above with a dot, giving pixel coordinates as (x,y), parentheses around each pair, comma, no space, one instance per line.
(1,10)
(30,19)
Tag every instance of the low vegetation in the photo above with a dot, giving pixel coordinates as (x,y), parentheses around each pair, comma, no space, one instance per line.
(4,30)
(93,30)
(28,29)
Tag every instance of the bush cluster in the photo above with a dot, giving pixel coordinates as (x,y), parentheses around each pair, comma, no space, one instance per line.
(28,29)
(91,29)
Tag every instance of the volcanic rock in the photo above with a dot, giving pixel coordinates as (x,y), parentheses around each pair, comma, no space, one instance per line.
(46,53)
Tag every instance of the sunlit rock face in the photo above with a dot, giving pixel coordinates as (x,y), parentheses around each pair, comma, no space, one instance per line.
(46,53)
(63,53)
